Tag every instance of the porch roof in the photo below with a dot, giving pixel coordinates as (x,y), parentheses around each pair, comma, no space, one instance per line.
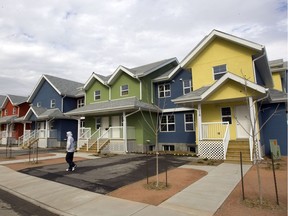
(7,119)
(42,113)
(204,92)
(116,106)
(276,96)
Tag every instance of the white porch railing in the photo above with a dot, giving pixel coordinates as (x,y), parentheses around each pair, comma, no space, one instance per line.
(93,138)
(215,140)
(85,133)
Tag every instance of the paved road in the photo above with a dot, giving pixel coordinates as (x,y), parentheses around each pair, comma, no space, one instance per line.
(11,205)
(104,175)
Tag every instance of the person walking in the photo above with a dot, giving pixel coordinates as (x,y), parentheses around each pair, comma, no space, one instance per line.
(70,152)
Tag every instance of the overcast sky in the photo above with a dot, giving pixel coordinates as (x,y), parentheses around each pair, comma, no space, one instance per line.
(73,38)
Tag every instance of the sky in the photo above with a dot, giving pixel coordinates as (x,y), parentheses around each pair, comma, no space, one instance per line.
(73,38)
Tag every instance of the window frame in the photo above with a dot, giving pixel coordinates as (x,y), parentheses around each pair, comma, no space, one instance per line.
(98,122)
(80,102)
(164,91)
(166,124)
(226,115)
(52,103)
(186,123)
(187,87)
(124,92)
(219,73)
(97,95)
(14,111)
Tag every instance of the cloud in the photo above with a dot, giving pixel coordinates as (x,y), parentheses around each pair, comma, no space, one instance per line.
(73,38)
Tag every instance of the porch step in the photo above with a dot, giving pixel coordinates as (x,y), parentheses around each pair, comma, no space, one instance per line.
(29,143)
(234,149)
(93,148)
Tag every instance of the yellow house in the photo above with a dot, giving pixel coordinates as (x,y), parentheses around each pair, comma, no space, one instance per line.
(230,76)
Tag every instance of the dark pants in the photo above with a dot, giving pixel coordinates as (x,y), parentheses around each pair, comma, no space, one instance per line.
(69,159)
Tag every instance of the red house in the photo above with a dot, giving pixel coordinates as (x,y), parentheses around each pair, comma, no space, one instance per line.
(14,109)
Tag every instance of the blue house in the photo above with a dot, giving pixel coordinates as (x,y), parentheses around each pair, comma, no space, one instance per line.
(176,124)
(273,112)
(49,100)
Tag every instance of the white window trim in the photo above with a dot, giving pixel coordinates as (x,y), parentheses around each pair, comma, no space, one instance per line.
(14,111)
(190,87)
(52,103)
(98,95)
(167,123)
(164,90)
(38,104)
(121,90)
(80,102)
(218,73)
(223,116)
(189,122)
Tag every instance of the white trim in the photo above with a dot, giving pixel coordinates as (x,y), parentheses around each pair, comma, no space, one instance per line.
(167,123)
(208,39)
(116,73)
(182,109)
(97,95)
(193,121)
(121,90)
(90,80)
(236,79)
(164,90)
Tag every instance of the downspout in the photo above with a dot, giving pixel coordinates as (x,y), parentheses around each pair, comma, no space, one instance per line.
(125,128)
(62,103)
(140,87)
(254,60)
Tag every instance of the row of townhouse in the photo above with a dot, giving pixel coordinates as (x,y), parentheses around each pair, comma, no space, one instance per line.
(224,93)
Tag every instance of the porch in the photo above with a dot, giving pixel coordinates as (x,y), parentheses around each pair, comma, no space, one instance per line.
(45,138)
(108,140)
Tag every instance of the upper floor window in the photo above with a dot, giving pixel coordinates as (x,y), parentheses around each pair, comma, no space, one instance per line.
(53,103)
(187,86)
(5,112)
(97,95)
(167,123)
(189,122)
(80,102)
(14,110)
(38,104)
(226,114)
(124,90)
(219,71)
(164,90)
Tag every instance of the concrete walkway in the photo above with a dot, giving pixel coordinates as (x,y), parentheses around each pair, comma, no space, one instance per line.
(203,197)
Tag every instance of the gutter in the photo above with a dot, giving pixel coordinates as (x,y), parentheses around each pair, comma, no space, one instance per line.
(62,103)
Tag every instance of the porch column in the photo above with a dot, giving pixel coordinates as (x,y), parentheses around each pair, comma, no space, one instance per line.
(199,120)
(125,131)
(24,132)
(47,131)
(79,132)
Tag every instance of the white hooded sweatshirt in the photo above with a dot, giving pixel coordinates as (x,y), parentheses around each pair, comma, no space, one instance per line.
(70,142)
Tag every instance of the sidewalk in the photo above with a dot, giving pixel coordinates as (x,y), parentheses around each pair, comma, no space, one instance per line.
(203,197)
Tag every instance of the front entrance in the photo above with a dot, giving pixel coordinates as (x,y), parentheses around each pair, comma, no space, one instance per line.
(116,127)
(104,126)
(243,123)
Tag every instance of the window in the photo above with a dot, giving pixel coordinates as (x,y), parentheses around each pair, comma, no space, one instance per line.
(168,148)
(226,114)
(124,90)
(167,123)
(98,123)
(219,71)
(187,86)
(97,95)
(164,90)
(14,110)
(189,122)
(38,104)
(5,112)
(80,102)
(53,103)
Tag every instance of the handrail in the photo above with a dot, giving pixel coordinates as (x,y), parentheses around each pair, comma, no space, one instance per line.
(213,130)
(104,134)
(89,145)
(226,139)
(88,130)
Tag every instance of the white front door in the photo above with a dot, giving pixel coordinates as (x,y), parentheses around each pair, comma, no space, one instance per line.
(243,123)
(116,127)
(104,126)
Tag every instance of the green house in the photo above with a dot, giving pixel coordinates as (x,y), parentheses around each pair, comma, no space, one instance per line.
(119,114)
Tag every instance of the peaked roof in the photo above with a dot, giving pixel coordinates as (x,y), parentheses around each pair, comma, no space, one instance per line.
(127,104)
(42,113)
(204,92)
(2,100)
(62,86)
(102,79)
(260,60)
(14,99)
(141,71)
